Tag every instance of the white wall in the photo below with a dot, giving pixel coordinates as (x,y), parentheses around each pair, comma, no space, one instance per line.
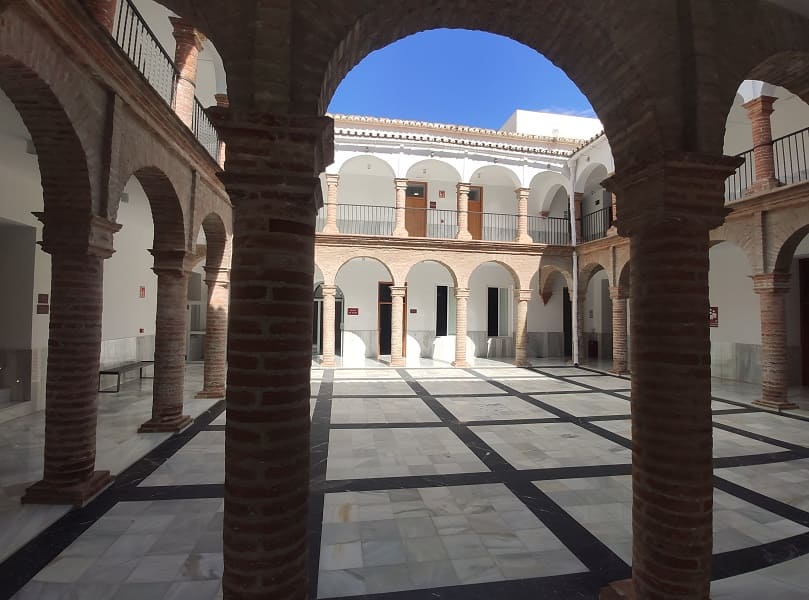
(791,114)
(484,277)
(422,282)
(552,125)
(358,280)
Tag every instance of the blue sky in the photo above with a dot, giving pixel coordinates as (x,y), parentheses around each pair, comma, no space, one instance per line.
(457,76)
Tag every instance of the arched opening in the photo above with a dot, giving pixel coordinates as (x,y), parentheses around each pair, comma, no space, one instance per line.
(431,312)
(595,316)
(493,204)
(317,321)
(794,260)
(430,199)
(368,328)
(550,315)
(366,196)
(596,202)
(491,311)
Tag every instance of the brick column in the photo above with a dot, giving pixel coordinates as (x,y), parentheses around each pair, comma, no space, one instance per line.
(463,211)
(189,44)
(332,184)
(461,297)
(78,249)
(103,11)
(582,296)
(170,335)
(577,200)
(759,110)
(400,228)
(216,333)
(668,210)
(272,180)
(772,289)
(521,329)
(522,216)
(397,322)
(619,359)
(329,295)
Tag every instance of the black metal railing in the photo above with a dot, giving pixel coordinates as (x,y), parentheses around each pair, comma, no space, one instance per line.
(742,179)
(594,226)
(499,227)
(431,223)
(549,230)
(140,44)
(357,219)
(789,153)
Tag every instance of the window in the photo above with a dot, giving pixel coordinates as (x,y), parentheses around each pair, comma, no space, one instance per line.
(475,193)
(444,311)
(416,190)
(499,304)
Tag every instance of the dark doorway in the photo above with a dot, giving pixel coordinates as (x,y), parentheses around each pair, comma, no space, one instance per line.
(385,317)
(567,323)
(416,209)
(803,269)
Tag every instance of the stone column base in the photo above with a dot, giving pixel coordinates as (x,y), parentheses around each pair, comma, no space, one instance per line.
(403,233)
(79,495)
(761,186)
(330,229)
(218,393)
(524,239)
(619,371)
(328,363)
(464,235)
(397,362)
(618,590)
(769,404)
(168,426)
(522,363)
(460,364)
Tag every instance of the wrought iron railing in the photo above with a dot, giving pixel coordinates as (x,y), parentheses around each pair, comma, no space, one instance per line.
(431,223)
(549,230)
(594,225)
(357,219)
(499,227)
(742,179)
(140,44)
(790,157)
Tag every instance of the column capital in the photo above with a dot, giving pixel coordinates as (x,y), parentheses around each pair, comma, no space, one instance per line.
(771,283)
(179,262)
(332,179)
(222,100)
(77,233)
(398,290)
(763,105)
(461,293)
(618,293)
(525,295)
(400,183)
(683,190)
(216,276)
(328,290)
(522,192)
(185,32)
(464,188)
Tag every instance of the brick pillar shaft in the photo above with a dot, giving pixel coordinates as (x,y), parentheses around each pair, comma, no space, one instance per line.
(329,295)
(580,323)
(463,211)
(760,110)
(522,216)
(667,211)
(619,356)
(216,334)
(170,337)
(272,181)
(400,227)
(103,11)
(74,348)
(521,329)
(577,200)
(189,44)
(772,289)
(397,323)
(461,297)
(332,184)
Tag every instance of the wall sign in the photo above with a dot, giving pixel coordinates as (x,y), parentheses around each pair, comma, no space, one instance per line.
(713,316)
(43,306)
(42,298)
(353,312)
(441,194)
(433,204)
(414,311)
(142,291)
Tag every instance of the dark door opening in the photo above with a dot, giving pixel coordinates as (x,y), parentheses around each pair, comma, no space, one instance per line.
(385,318)
(803,268)
(567,323)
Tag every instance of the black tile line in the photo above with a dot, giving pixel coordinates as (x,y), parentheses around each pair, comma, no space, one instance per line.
(746,560)
(583,544)
(586,388)
(758,499)
(576,586)
(761,438)
(758,409)
(318,462)
(195,491)
(405,425)
(19,568)
(726,462)
(735,411)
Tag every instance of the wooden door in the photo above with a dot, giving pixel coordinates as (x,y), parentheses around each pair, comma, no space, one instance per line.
(476,212)
(416,209)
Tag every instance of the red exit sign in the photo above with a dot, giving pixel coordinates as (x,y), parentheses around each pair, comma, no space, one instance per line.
(353,312)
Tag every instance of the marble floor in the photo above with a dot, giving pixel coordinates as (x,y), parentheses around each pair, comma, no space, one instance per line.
(432,483)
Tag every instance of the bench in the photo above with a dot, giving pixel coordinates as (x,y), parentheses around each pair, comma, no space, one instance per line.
(118,370)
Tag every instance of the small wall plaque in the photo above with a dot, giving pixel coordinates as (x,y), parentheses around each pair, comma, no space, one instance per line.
(713,316)
(353,312)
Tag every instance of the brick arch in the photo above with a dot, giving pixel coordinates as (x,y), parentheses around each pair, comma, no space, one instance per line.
(393,275)
(624,277)
(786,249)
(586,274)
(61,153)
(518,283)
(609,70)
(217,242)
(410,267)
(167,211)
(547,276)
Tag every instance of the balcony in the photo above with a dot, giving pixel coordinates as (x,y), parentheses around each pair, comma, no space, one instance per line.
(791,165)
(140,45)
(357,219)
(594,226)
